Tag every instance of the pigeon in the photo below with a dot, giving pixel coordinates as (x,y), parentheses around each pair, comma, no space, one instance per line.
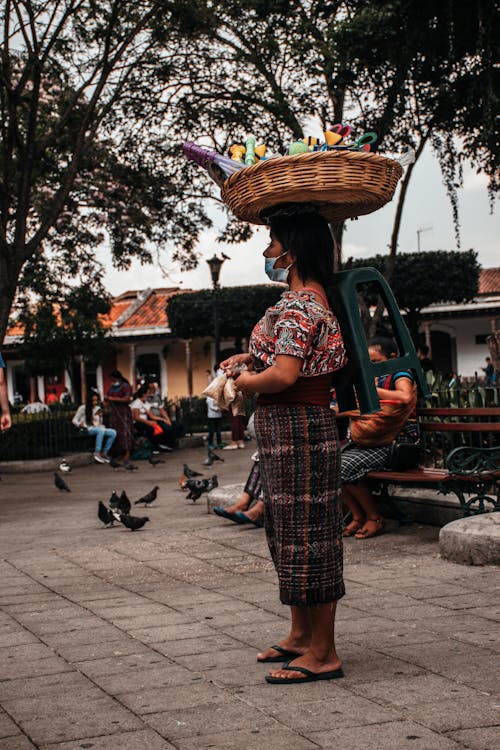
(149,498)
(155,461)
(124,504)
(197,487)
(212,456)
(113,500)
(60,483)
(115,464)
(130,467)
(105,515)
(190,473)
(65,467)
(133,522)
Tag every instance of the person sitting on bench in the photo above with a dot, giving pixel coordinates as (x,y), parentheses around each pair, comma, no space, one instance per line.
(371,437)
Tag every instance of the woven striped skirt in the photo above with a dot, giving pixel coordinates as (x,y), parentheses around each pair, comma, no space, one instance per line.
(300,474)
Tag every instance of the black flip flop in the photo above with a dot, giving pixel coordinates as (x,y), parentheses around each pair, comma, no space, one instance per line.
(308,675)
(223,513)
(283,655)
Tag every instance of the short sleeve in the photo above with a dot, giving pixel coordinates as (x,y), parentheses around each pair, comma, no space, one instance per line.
(294,333)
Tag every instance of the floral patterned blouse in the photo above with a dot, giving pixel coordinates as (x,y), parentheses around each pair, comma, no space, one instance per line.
(299,325)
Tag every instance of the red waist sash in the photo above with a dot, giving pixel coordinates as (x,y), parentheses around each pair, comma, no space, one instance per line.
(313,391)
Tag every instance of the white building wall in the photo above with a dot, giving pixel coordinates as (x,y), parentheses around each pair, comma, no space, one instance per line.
(470,356)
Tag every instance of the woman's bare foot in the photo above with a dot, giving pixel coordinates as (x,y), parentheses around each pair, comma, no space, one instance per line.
(289,644)
(240,505)
(353,527)
(308,661)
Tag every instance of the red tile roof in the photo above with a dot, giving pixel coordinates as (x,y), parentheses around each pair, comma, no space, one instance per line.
(489,281)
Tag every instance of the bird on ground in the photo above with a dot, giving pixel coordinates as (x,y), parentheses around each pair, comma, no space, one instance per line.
(211,458)
(190,473)
(105,515)
(65,467)
(124,503)
(60,483)
(115,464)
(133,522)
(113,500)
(149,498)
(197,487)
(154,461)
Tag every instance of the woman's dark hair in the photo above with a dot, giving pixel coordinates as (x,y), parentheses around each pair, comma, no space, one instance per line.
(89,406)
(116,374)
(308,238)
(140,392)
(386,345)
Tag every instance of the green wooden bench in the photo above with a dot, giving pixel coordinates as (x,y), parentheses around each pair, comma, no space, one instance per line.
(471,469)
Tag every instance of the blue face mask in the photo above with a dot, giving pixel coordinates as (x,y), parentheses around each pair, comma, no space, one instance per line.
(276,274)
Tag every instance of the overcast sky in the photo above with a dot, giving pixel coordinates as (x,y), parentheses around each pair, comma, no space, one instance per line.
(426,205)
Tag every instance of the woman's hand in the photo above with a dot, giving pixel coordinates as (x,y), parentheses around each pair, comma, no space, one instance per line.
(234,363)
(242,381)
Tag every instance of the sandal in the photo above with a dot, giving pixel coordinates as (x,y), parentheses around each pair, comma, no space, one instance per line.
(367,533)
(353,527)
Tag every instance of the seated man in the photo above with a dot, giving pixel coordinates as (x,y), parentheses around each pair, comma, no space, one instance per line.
(371,438)
(147,424)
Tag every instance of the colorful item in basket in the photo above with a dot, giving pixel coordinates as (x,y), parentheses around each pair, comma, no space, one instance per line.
(205,157)
(237,152)
(250,151)
(297,147)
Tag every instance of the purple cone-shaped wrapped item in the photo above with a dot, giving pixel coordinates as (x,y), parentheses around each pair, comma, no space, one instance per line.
(205,156)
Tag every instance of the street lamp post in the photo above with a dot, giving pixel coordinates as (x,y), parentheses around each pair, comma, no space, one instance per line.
(215,265)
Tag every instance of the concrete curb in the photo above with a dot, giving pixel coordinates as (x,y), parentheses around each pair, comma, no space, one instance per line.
(75,459)
(472,541)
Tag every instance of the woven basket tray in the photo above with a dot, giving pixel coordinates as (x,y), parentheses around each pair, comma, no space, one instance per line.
(342,184)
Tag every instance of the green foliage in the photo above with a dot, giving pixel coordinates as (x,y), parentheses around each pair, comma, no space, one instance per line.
(191,315)
(422,279)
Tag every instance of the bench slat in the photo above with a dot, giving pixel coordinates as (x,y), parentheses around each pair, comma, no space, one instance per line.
(460,426)
(490,411)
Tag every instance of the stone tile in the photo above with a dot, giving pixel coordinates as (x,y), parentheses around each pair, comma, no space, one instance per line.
(145,739)
(341,709)
(15,635)
(70,715)
(488,640)
(230,717)
(395,735)
(417,612)
(274,738)
(259,635)
(143,679)
(18,742)
(43,627)
(83,637)
(364,665)
(192,646)
(456,623)
(363,625)
(52,665)
(198,693)
(215,659)
(42,685)
(171,632)
(466,600)
(445,716)
(84,652)
(413,690)
(426,590)
(483,738)
(401,634)
(7,726)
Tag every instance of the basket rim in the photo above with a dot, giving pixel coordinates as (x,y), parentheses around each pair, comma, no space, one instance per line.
(372,200)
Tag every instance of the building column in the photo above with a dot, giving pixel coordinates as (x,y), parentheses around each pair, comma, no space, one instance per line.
(40,387)
(132,370)
(427,333)
(83,380)
(163,375)
(9,377)
(189,366)
(100,379)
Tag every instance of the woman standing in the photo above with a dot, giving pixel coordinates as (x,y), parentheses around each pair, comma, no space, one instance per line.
(119,396)
(294,349)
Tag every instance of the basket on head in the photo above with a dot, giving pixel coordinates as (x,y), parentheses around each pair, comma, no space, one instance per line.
(341,184)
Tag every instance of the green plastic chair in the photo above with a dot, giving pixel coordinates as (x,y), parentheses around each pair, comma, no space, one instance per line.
(356,386)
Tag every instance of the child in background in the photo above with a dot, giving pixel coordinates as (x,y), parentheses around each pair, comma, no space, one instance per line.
(214,415)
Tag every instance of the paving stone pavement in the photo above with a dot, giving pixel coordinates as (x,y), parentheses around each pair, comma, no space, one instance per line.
(113,640)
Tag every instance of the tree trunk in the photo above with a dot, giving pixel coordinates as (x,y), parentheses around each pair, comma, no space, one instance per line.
(9,276)
(337,230)
(412,320)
